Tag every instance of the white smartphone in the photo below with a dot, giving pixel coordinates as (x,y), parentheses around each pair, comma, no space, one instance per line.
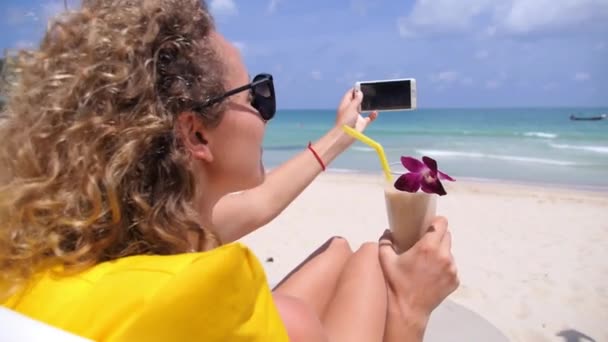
(388,95)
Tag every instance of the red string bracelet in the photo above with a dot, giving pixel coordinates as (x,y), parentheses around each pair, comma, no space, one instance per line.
(316,155)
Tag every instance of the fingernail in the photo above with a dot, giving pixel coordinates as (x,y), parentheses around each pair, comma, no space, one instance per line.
(385,235)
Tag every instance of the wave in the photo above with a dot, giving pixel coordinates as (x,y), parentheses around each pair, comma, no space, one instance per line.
(363,149)
(436,132)
(284,148)
(543,135)
(596,149)
(338,170)
(442,153)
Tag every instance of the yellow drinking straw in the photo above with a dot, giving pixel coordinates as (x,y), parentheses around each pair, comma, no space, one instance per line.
(373,144)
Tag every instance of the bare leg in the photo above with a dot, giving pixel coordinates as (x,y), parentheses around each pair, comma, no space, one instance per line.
(357,311)
(314,280)
(355,308)
(300,320)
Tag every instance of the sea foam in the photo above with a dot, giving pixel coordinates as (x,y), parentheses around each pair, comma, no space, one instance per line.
(522,159)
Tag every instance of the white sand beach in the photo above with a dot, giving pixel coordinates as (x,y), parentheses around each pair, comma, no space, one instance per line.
(533,261)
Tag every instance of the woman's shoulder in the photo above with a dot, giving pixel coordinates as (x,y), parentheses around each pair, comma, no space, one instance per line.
(151,270)
(153,297)
(225,257)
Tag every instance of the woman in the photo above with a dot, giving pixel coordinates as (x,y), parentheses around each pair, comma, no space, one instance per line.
(242,213)
(124,132)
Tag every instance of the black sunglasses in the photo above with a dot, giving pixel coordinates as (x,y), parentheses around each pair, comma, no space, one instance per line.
(262,96)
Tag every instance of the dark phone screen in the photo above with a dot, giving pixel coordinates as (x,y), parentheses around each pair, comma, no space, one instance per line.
(386,95)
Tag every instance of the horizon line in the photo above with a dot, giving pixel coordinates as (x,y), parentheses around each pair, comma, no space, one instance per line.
(605,106)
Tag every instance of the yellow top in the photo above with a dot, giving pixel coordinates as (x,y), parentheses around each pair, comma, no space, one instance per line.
(218,295)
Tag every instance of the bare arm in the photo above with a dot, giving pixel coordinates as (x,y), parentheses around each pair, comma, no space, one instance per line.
(239,214)
(402,326)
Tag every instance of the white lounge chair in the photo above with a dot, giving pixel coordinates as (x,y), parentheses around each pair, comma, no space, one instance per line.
(15,327)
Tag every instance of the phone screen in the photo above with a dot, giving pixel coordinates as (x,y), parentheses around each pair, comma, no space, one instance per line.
(386,95)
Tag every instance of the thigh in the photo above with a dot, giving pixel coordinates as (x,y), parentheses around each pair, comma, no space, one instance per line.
(314,280)
(357,311)
(301,321)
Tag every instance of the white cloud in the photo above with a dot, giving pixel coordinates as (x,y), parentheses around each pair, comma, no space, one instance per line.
(394,75)
(529,16)
(278,68)
(490,31)
(350,78)
(492,17)
(32,15)
(404,29)
(445,76)
(241,46)
(14,16)
(44,11)
(272,6)
(582,76)
(493,84)
(316,75)
(223,7)
(359,75)
(24,44)
(467,81)
(550,86)
(450,77)
(51,9)
(442,16)
(482,54)
(361,7)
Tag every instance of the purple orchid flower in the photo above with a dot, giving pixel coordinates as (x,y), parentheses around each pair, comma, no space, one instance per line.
(422,175)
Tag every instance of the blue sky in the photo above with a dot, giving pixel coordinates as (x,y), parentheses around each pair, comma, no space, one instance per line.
(463,53)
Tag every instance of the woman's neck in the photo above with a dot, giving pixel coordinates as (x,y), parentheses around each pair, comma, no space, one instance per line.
(207,196)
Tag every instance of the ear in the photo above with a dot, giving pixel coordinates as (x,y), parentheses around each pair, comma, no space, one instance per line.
(193,135)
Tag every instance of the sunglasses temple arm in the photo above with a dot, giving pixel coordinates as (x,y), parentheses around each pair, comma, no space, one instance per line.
(236,91)
(215,100)
(231,92)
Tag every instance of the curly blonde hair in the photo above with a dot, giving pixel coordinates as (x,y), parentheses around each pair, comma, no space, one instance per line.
(91,168)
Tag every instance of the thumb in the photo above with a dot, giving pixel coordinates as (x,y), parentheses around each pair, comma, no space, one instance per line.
(386,250)
(346,99)
(355,102)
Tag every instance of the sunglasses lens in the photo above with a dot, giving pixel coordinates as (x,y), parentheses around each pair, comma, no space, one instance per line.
(262,90)
(263,97)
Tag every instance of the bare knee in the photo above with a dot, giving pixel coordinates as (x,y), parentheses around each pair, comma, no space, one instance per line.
(368,248)
(301,321)
(340,245)
(367,255)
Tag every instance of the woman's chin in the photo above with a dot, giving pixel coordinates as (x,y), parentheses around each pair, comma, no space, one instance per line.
(261,174)
(254,179)
(262,171)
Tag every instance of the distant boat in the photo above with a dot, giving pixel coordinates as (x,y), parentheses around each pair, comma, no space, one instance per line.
(588,118)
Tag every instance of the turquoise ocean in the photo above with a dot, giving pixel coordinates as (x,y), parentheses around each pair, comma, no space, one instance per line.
(524,145)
